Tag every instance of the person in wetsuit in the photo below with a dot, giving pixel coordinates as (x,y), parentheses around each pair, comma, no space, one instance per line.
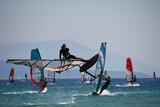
(106,84)
(26,76)
(43,83)
(66,54)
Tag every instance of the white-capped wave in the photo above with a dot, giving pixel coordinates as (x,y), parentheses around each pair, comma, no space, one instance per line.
(128,85)
(74,95)
(33,104)
(108,93)
(123,93)
(23,92)
(71,101)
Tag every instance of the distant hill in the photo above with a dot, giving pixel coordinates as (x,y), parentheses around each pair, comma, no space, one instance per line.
(115,63)
(48,49)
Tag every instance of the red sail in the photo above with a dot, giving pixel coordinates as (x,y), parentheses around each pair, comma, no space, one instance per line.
(129,65)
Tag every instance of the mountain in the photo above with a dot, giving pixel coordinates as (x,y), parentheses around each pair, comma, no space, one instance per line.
(115,63)
(48,49)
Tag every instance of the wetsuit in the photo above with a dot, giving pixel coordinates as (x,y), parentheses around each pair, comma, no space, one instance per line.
(43,84)
(26,76)
(66,54)
(106,84)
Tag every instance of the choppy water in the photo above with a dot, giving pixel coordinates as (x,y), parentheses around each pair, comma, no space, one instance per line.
(71,93)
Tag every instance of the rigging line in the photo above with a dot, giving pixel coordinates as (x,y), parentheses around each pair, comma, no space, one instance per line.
(47,64)
(90,74)
(33,63)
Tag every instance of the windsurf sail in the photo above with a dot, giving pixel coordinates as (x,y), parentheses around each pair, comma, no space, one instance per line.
(154,75)
(99,72)
(89,63)
(38,66)
(86,78)
(11,75)
(129,70)
(37,74)
(47,64)
(59,66)
(51,77)
(99,59)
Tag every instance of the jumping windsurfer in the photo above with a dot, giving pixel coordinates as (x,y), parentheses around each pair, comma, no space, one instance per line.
(66,54)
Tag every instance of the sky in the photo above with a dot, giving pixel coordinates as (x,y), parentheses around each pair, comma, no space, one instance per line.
(130,27)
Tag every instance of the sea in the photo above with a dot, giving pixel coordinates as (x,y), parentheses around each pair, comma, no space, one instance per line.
(74,93)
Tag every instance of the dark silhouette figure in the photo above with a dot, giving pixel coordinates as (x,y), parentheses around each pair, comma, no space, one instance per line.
(66,54)
(106,84)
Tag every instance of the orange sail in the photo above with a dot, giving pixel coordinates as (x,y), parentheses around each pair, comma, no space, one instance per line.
(11,75)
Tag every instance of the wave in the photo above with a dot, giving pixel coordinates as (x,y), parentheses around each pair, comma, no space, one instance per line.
(138,92)
(23,92)
(123,93)
(108,93)
(30,104)
(104,93)
(74,95)
(67,102)
(128,85)
(33,104)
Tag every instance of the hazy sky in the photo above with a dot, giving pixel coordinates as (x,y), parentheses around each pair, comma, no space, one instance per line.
(131,27)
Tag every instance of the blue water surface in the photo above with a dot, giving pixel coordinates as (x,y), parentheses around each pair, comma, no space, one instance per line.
(72,93)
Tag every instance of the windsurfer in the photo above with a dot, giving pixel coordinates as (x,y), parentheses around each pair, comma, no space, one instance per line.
(154,75)
(134,78)
(43,84)
(106,84)
(11,75)
(66,54)
(26,76)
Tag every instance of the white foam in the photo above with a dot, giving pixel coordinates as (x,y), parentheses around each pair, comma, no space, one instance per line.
(108,93)
(87,82)
(67,102)
(30,104)
(64,103)
(127,93)
(128,85)
(23,92)
(44,90)
(74,95)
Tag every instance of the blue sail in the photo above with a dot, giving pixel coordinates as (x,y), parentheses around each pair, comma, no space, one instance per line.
(99,67)
(35,54)
(101,64)
(37,75)
(103,49)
